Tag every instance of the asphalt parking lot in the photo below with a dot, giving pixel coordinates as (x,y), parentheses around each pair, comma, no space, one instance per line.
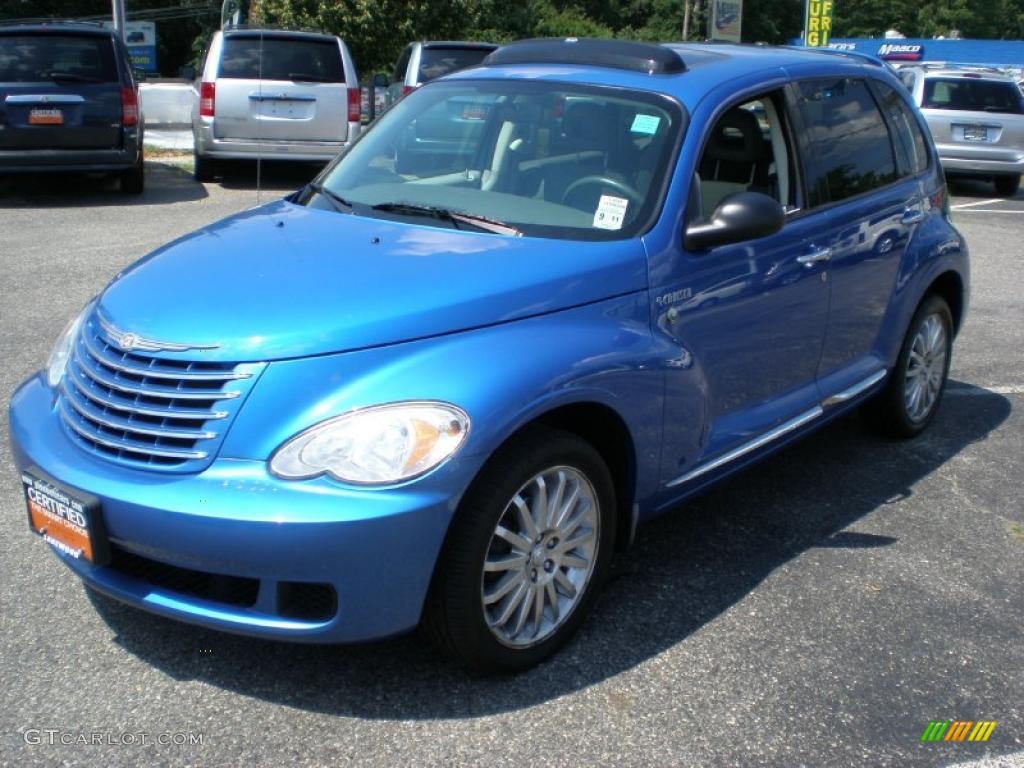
(819,610)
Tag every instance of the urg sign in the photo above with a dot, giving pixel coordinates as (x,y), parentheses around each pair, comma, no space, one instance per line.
(819,23)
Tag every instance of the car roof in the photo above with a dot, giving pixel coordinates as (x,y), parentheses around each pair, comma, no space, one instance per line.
(244,31)
(58,26)
(707,66)
(457,44)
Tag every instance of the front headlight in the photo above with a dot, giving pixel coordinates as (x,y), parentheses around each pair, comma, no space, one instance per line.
(58,361)
(375,446)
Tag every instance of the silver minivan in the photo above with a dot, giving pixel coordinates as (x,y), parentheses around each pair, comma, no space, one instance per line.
(273,94)
(976,117)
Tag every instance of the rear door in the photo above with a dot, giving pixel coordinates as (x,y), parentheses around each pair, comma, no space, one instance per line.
(58,90)
(874,203)
(281,87)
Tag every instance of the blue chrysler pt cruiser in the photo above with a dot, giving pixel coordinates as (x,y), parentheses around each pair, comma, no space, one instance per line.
(539,301)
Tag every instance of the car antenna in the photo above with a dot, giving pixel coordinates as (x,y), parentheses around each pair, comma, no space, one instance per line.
(259,109)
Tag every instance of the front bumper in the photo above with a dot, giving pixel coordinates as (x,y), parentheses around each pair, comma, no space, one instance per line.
(376,549)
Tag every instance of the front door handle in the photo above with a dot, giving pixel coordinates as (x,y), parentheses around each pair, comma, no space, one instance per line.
(815,256)
(912,216)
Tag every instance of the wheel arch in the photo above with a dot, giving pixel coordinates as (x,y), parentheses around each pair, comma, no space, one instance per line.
(950,287)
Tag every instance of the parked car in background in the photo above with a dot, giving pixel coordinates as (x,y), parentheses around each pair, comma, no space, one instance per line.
(977,120)
(425,61)
(275,95)
(444,381)
(69,102)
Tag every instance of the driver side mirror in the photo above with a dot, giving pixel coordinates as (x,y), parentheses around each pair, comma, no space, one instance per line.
(740,216)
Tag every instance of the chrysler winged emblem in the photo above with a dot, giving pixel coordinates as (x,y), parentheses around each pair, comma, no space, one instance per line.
(127,341)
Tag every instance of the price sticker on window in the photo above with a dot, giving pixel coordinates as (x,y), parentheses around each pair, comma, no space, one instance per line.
(610,213)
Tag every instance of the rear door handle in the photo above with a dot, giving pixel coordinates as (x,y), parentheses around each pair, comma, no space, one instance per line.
(815,256)
(912,215)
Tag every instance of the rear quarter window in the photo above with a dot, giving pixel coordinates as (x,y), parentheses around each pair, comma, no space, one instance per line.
(970,95)
(254,57)
(851,152)
(911,147)
(436,62)
(57,58)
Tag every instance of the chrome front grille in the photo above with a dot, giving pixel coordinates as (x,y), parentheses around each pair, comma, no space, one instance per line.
(156,412)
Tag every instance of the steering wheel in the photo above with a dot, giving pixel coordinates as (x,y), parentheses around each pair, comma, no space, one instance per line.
(596,180)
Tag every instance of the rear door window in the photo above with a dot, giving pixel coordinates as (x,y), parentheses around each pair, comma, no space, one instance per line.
(972,95)
(911,148)
(435,62)
(56,58)
(851,152)
(268,57)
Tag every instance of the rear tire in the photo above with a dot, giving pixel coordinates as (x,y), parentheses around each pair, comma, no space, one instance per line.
(133,181)
(532,540)
(911,398)
(202,168)
(1007,186)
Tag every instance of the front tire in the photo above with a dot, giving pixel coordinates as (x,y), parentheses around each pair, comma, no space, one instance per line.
(526,554)
(911,397)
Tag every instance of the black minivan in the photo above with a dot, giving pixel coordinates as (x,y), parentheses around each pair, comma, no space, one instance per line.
(69,102)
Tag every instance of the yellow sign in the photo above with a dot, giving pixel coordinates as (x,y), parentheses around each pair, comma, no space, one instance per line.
(818,27)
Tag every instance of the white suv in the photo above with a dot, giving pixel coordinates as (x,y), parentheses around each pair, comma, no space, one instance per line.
(976,117)
(279,95)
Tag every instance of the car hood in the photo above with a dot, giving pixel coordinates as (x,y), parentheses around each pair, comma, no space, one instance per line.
(283,281)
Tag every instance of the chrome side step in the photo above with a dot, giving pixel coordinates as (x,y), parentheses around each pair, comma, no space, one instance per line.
(795,423)
(851,392)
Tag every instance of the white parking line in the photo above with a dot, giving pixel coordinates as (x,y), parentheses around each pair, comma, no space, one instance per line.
(964,390)
(961,206)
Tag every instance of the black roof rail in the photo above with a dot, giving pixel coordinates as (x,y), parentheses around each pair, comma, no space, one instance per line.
(42,21)
(649,58)
(272,28)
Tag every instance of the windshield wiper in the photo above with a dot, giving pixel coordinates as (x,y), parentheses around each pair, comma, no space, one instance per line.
(340,203)
(306,77)
(455,218)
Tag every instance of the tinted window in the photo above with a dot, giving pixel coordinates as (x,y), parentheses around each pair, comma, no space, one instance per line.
(911,148)
(61,58)
(850,148)
(283,58)
(435,62)
(971,95)
(402,65)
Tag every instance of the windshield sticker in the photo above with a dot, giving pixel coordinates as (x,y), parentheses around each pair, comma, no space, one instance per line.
(610,212)
(647,124)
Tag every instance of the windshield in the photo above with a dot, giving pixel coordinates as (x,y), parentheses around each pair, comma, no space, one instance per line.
(972,95)
(545,159)
(38,58)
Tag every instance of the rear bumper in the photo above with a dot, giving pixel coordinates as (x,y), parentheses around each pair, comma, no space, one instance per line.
(271,149)
(961,158)
(63,160)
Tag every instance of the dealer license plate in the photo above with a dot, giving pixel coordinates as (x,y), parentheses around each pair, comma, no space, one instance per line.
(975,133)
(68,520)
(45,117)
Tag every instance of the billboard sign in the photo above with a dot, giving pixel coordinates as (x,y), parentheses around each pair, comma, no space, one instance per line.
(901,52)
(140,37)
(818,23)
(726,20)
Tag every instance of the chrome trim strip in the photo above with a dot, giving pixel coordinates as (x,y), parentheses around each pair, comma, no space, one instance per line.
(169,394)
(128,426)
(116,336)
(851,392)
(752,445)
(156,373)
(121,405)
(44,98)
(139,448)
